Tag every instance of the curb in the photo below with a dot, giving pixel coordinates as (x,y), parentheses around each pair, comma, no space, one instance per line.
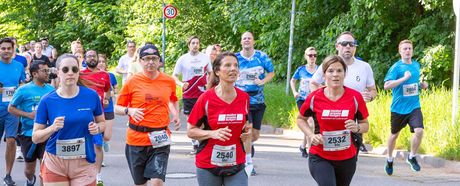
(424,159)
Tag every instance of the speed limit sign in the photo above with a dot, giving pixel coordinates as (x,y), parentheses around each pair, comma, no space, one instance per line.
(170,12)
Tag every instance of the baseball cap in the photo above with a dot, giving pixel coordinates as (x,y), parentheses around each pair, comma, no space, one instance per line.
(149,49)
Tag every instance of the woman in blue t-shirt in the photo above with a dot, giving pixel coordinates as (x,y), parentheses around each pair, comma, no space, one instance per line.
(68,118)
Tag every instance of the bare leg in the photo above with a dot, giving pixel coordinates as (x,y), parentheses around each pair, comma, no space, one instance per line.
(10,154)
(416,140)
(391,144)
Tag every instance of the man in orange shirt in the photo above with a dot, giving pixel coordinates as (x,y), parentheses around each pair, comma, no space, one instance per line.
(148,98)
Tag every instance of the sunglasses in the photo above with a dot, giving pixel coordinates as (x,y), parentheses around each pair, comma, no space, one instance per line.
(345,43)
(311,55)
(148,59)
(75,69)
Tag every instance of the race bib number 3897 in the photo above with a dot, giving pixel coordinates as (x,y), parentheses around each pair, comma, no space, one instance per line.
(71,148)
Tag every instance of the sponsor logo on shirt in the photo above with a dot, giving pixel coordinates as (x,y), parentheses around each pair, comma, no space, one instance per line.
(229,118)
(83,109)
(335,114)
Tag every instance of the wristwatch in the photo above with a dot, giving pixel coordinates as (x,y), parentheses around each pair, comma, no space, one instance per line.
(126,110)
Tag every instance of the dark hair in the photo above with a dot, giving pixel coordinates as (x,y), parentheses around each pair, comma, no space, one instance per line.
(89,50)
(213,78)
(189,40)
(130,41)
(81,82)
(329,60)
(7,40)
(345,33)
(35,66)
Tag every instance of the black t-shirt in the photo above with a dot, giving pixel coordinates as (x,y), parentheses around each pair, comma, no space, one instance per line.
(43,58)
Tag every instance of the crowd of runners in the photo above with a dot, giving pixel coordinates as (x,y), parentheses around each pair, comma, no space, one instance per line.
(59,111)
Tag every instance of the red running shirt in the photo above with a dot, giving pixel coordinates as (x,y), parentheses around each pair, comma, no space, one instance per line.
(220,115)
(100,81)
(331,116)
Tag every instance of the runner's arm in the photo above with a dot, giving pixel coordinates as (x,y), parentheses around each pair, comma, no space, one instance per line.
(41,133)
(293,87)
(15,111)
(222,134)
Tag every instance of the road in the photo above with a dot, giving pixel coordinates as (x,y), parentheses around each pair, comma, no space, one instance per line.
(277,160)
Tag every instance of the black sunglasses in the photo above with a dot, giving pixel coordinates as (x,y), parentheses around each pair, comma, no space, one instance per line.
(345,43)
(75,69)
(311,55)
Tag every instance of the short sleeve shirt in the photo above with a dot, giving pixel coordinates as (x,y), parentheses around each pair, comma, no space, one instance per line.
(359,76)
(220,114)
(330,116)
(10,82)
(99,81)
(153,96)
(26,99)
(113,83)
(193,69)
(304,76)
(250,69)
(406,95)
(78,111)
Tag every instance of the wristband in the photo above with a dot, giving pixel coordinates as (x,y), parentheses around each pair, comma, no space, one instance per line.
(126,110)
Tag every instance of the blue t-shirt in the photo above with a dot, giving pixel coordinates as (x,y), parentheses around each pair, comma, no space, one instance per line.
(304,76)
(406,95)
(12,74)
(78,111)
(26,99)
(113,83)
(21,59)
(250,68)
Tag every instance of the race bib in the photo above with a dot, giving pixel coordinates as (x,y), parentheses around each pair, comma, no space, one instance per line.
(198,71)
(223,156)
(304,85)
(159,138)
(336,140)
(71,148)
(410,89)
(7,94)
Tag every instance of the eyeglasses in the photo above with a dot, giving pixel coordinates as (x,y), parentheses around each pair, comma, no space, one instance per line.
(75,69)
(345,43)
(45,70)
(6,48)
(90,56)
(148,59)
(311,55)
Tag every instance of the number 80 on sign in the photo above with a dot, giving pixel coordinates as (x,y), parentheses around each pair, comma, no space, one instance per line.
(170,12)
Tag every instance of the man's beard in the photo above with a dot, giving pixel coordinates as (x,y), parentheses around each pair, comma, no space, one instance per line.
(91,64)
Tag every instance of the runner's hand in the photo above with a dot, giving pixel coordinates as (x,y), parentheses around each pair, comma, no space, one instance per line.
(259,81)
(316,139)
(58,123)
(247,132)
(31,115)
(222,134)
(424,85)
(94,128)
(296,94)
(407,75)
(177,123)
(185,86)
(351,125)
(137,114)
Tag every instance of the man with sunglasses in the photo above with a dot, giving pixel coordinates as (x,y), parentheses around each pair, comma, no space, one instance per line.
(148,98)
(12,75)
(24,104)
(99,82)
(359,77)
(304,73)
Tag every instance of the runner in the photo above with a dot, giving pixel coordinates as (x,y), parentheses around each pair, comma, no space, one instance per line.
(24,104)
(337,112)
(403,78)
(219,121)
(68,118)
(359,77)
(147,98)
(100,82)
(193,67)
(109,110)
(304,74)
(9,82)
(256,69)
(125,60)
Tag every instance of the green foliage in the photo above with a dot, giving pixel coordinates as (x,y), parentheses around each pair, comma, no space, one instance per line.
(438,65)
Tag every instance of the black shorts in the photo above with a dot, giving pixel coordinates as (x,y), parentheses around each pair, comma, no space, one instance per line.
(329,172)
(188,105)
(256,113)
(31,151)
(109,115)
(399,121)
(300,103)
(146,162)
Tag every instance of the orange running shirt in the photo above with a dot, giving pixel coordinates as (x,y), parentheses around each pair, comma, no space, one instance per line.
(153,96)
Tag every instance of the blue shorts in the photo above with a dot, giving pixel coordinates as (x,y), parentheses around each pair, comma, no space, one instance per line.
(9,126)
(98,140)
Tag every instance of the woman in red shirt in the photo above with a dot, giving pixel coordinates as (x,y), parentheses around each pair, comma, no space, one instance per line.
(219,121)
(337,111)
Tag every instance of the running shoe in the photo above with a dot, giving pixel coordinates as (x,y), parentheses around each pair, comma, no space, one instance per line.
(249,168)
(363,149)
(304,152)
(19,155)
(103,164)
(31,184)
(106,146)
(8,181)
(253,172)
(413,163)
(100,183)
(389,168)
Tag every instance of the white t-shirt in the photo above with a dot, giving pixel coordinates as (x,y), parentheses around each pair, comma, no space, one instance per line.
(190,66)
(123,64)
(359,76)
